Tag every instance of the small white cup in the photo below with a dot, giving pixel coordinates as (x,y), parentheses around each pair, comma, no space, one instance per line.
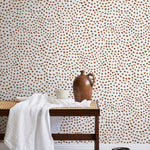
(62,94)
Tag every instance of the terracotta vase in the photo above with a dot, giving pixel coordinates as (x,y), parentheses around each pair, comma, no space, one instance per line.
(82,87)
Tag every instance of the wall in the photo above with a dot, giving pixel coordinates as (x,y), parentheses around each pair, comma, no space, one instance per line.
(45,44)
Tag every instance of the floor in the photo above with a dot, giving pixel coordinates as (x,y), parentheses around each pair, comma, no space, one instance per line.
(90,146)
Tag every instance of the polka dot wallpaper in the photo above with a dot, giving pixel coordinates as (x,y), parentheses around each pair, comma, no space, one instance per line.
(45,44)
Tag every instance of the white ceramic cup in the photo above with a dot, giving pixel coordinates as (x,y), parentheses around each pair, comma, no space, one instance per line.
(61,94)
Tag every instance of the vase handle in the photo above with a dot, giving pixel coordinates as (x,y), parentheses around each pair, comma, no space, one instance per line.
(91,74)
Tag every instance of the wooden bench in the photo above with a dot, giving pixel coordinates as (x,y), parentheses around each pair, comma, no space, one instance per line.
(93,110)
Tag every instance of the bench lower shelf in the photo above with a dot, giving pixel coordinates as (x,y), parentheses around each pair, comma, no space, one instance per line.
(67,136)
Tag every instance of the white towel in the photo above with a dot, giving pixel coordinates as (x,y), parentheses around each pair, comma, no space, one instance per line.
(29,127)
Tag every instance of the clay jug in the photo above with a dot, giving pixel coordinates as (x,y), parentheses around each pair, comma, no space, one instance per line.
(82,87)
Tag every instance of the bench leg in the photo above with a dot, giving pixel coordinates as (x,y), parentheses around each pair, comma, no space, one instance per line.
(96,133)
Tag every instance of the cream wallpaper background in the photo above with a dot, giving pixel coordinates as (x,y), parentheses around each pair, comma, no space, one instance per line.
(45,44)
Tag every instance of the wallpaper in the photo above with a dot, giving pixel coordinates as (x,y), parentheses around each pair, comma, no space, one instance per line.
(46,43)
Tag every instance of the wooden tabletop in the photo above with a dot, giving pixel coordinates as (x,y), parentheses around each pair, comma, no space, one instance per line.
(58,111)
(9,104)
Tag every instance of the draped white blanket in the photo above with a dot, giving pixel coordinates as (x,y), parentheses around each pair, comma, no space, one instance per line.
(29,127)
